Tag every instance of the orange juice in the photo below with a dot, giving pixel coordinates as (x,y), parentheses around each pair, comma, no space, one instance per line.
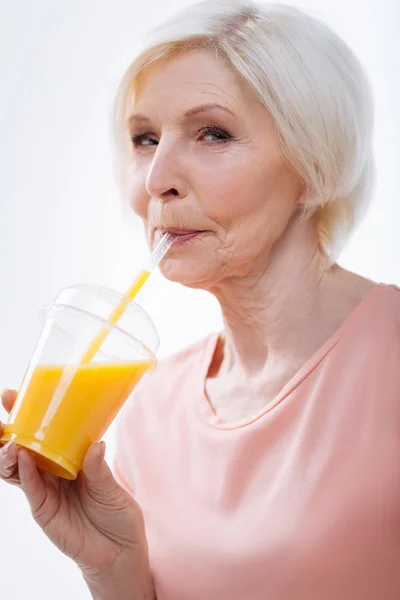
(63,409)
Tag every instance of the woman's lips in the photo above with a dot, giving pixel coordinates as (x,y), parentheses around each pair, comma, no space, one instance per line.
(181,235)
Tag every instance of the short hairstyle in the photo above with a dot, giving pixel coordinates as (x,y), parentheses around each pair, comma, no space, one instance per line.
(309,80)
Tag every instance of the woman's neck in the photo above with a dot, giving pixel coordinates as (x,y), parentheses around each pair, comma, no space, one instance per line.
(281,311)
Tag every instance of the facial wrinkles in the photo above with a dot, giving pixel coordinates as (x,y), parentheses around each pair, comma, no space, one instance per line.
(194,170)
(236,189)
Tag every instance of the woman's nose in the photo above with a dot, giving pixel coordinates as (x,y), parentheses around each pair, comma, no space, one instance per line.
(165,180)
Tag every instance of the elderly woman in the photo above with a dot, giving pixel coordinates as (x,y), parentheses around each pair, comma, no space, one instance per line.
(261,463)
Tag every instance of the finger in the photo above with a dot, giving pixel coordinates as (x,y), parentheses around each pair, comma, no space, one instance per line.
(99,480)
(31,482)
(8,460)
(2,444)
(8,398)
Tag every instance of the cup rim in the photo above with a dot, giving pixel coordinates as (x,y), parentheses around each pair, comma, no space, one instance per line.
(133,305)
(110,291)
(55,306)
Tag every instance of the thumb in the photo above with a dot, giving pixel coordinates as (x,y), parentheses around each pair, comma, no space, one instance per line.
(99,480)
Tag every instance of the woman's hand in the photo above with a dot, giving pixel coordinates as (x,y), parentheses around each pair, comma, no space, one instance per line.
(92,519)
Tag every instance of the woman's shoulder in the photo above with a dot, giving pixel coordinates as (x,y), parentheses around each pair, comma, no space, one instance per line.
(193,352)
(376,322)
(184,360)
(172,372)
(159,394)
(380,313)
(149,408)
(394,288)
(391,306)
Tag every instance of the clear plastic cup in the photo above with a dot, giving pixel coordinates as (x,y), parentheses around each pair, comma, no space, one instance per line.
(63,406)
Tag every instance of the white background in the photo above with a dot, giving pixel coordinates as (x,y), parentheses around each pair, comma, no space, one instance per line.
(60,216)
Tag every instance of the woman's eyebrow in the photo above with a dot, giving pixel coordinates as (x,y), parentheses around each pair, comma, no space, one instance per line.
(137,117)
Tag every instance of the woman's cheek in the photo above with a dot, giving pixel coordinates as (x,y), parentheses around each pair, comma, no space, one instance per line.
(226,199)
(138,196)
(231,184)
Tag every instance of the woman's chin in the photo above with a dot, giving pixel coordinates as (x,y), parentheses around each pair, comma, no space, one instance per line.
(184,271)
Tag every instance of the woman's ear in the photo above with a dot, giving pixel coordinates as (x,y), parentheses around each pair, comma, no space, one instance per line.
(303,199)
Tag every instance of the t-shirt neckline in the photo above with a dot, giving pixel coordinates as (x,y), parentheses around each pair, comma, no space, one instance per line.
(204,408)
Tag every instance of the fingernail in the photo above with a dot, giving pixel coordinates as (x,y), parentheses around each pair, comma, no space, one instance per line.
(8,447)
(9,451)
(102,449)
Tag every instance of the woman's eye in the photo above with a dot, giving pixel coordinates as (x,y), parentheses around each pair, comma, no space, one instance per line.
(217,134)
(139,138)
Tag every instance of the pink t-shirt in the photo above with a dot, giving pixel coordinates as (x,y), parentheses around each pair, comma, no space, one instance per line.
(301,502)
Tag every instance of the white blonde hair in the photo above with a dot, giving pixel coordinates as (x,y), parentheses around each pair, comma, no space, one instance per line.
(309,80)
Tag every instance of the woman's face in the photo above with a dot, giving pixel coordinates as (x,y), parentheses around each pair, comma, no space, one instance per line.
(217,171)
